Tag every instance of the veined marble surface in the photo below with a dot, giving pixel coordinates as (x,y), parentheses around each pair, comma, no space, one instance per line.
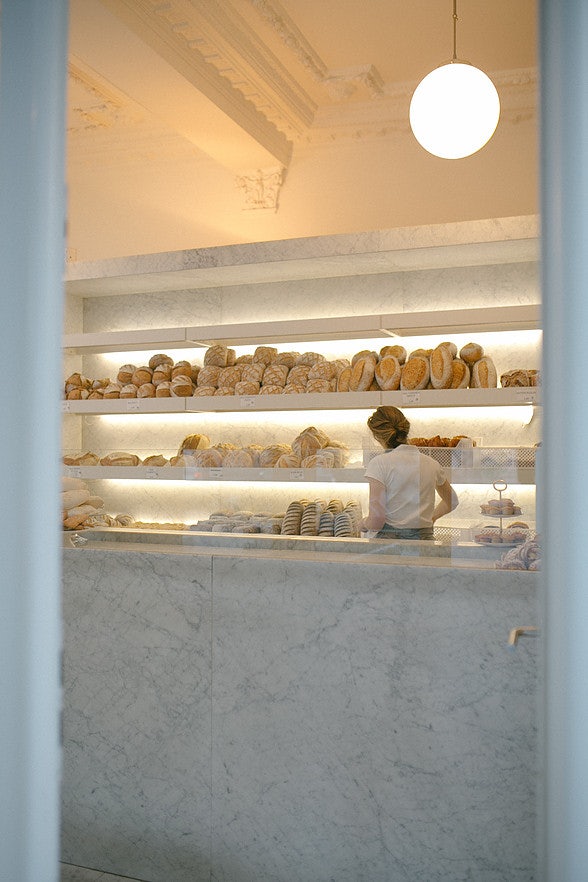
(234,719)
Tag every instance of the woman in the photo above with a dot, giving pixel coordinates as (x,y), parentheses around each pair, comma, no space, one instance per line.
(403,482)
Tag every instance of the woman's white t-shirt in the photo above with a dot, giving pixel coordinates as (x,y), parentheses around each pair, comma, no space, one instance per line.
(410,479)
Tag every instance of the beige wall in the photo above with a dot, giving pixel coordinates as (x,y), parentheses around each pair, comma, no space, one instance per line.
(133,202)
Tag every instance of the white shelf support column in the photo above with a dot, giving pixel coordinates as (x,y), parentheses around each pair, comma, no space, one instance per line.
(33,57)
(564,475)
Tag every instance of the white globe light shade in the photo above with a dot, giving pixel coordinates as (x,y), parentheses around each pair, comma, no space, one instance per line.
(454,110)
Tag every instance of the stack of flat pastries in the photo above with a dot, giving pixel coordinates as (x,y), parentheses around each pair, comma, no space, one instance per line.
(304,517)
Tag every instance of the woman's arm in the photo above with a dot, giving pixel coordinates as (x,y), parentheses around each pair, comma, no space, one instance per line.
(449,500)
(376,517)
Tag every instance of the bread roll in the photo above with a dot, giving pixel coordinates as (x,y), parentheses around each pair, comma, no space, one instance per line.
(484,374)
(163,389)
(460,374)
(158,359)
(194,442)
(441,370)
(398,352)
(271,389)
(209,375)
(275,375)
(451,346)
(471,352)
(231,375)
(253,373)
(112,390)
(362,373)
(129,391)
(244,359)
(155,460)
(415,373)
(515,378)
(388,372)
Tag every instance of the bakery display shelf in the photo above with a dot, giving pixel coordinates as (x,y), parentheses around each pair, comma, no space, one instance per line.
(309,401)
(451,321)
(254,475)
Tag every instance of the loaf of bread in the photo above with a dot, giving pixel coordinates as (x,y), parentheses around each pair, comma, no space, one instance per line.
(471,352)
(293,389)
(161,374)
(163,389)
(415,373)
(112,390)
(142,375)
(253,373)
(271,389)
(237,459)
(309,441)
(309,358)
(287,461)
(322,459)
(460,374)
(194,442)
(364,353)
(72,498)
(515,378)
(484,374)
(146,390)
(96,394)
(322,370)
(340,454)
(180,368)
(264,355)
(275,375)
(362,373)
(209,375)
(219,356)
(120,458)
(388,372)
(181,386)
(344,379)
(129,391)
(230,376)
(397,351)
(205,459)
(451,346)
(125,374)
(204,390)
(420,353)
(224,390)
(245,387)
(270,455)
(287,358)
(155,460)
(318,386)
(441,370)
(160,358)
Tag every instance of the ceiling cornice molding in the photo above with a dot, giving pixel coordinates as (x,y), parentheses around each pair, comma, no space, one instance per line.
(290,35)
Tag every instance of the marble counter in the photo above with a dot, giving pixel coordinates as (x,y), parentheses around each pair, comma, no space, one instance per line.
(240,718)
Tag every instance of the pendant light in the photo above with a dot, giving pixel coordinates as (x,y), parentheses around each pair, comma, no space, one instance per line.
(455,109)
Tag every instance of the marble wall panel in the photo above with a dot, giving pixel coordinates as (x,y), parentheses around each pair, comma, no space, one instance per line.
(371,724)
(136,764)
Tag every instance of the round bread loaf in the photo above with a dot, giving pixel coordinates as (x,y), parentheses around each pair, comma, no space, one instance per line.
(219,356)
(451,346)
(388,372)
(129,391)
(237,459)
(322,370)
(245,387)
(161,374)
(253,373)
(160,358)
(142,375)
(270,389)
(120,458)
(441,371)
(163,389)
(181,386)
(145,390)
(275,375)
(225,390)
(484,374)
(307,359)
(112,390)
(96,394)
(180,368)
(317,385)
(155,460)
(125,373)
(293,389)
(270,455)
(231,375)
(209,375)
(264,355)
(287,358)
(287,461)
(344,379)
(206,459)
(363,353)
(194,442)
(204,390)
(415,373)
(471,352)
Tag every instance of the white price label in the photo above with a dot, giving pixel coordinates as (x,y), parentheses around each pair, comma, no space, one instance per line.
(133,405)
(247,401)
(216,474)
(526,394)
(152,473)
(296,474)
(65,407)
(411,398)
(74,472)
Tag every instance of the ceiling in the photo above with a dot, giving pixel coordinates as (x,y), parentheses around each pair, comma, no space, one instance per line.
(249,84)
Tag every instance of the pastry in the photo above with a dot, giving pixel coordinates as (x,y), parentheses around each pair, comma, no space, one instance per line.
(362,373)
(415,373)
(471,352)
(441,370)
(158,359)
(484,374)
(460,374)
(388,372)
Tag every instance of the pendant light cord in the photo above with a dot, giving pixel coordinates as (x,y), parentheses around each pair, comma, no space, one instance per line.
(454,30)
